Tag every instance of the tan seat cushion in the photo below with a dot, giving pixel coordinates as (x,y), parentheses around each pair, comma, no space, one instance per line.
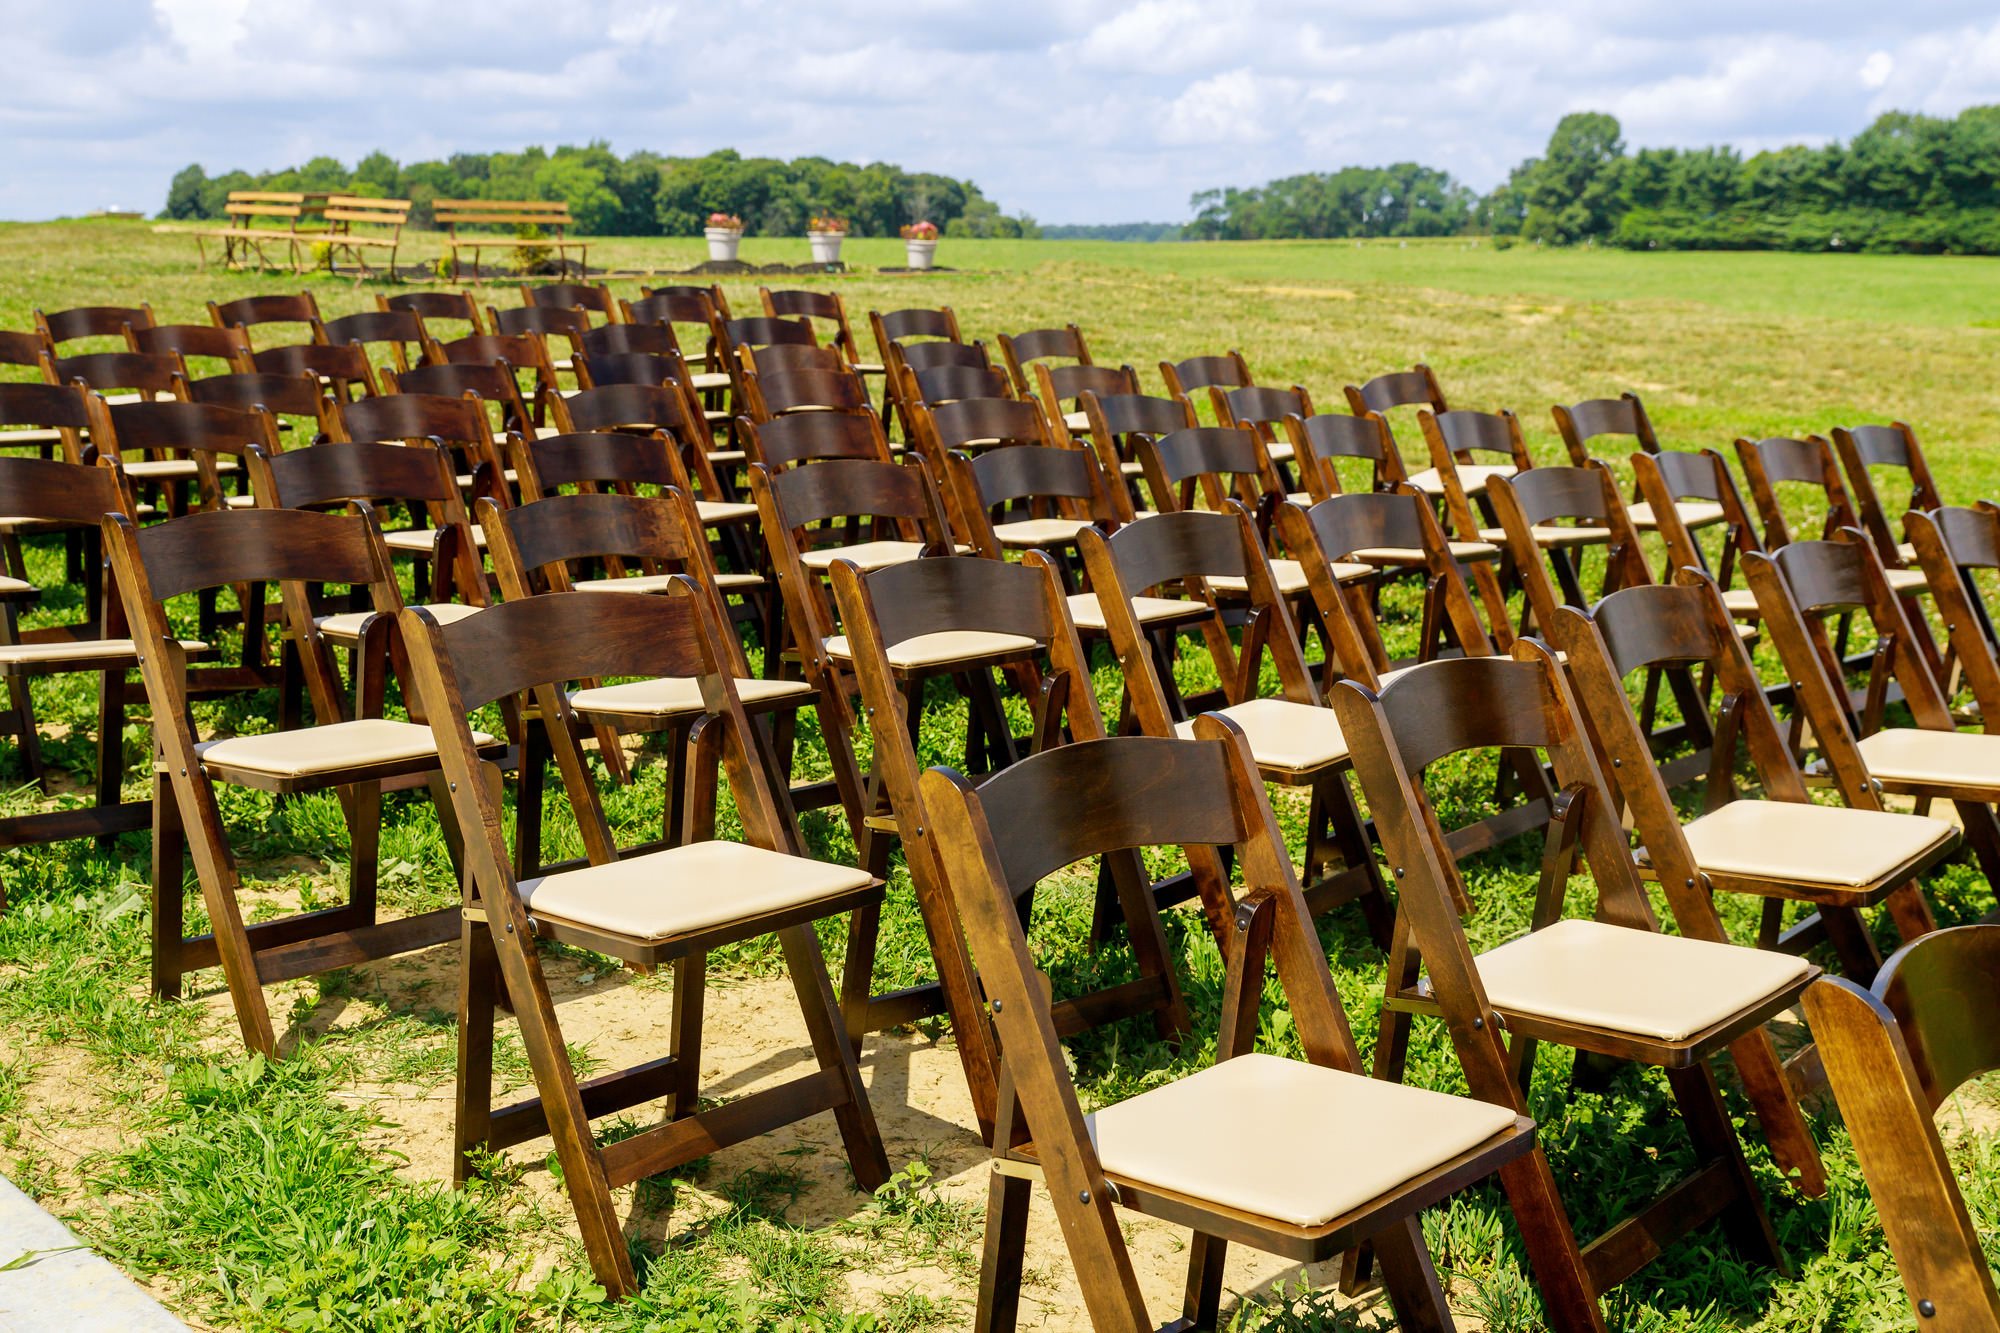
(869,555)
(422,539)
(670,696)
(1472,476)
(727,455)
(1814,844)
(724,511)
(703,380)
(1638,981)
(326,748)
(870,368)
(9,585)
(1034,532)
(161,469)
(945,646)
(1740,601)
(346,626)
(1907,582)
(1554,536)
(1086,612)
(1906,552)
(1412,555)
(683,889)
(1282,734)
(1295,1142)
(31,654)
(1694,514)
(1910,754)
(1076,421)
(660,582)
(1290,576)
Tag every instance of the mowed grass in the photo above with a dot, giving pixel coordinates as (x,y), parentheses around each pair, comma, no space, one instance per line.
(260,1197)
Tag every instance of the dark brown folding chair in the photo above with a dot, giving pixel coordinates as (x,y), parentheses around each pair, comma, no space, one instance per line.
(1623,417)
(1612,987)
(1060,390)
(202,342)
(1255,1149)
(1894,1053)
(400,332)
(92,321)
(123,377)
(351,751)
(1548,517)
(433,308)
(670,906)
(1019,351)
(961,617)
(1295,740)
(1029,497)
(256,312)
(1184,378)
(1320,443)
(298,397)
(343,368)
(1894,448)
(1673,480)
(825,306)
(1117,423)
(594,297)
(457,425)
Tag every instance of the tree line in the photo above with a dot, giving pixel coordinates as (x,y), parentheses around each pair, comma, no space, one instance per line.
(1908,183)
(640,194)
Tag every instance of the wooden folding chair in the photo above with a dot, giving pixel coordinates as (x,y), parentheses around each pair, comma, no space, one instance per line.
(1264,408)
(258,312)
(343,368)
(1895,1052)
(1624,417)
(490,383)
(202,342)
(1319,444)
(121,377)
(1255,1149)
(349,751)
(1029,497)
(811,437)
(1798,589)
(900,621)
(1891,447)
(1613,987)
(456,423)
(691,308)
(1548,515)
(288,398)
(92,321)
(436,307)
(1060,391)
(52,495)
(670,906)
(896,331)
(594,297)
(1416,387)
(1019,351)
(1296,741)
(1668,481)
(52,419)
(401,332)
(826,306)
(1226,371)
(1118,422)
(1952,545)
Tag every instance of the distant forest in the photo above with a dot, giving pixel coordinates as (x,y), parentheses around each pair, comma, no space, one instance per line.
(1114,231)
(1908,184)
(642,194)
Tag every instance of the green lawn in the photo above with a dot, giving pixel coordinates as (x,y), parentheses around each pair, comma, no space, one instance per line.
(272,1198)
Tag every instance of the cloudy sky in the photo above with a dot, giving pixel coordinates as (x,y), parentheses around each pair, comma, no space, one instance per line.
(1074,110)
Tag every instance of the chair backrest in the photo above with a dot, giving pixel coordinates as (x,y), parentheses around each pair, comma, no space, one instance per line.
(799,304)
(247,312)
(947,384)
(1673,475)
(931,355)
(490,382)
(63,408)
(763,331)
(1416,387)
(776,357)
(614,460)
(199,429)
(23,347)
(805,437)
(784,392)
(1259,406)
(286,395)
(1228,371)
(196,340)
(400,330)
(899,326)
(592,296)
(1061,385)
(985,482)
(92,321)
(599,369)
(1893,1053)
(1214,463)
(1463,437)
(1623,416)
(540,323)
(345,364)
(697,306)
(1953,545)
(1769,464)
(151,374)
(631,407)
(1545,499)
(431,307)
(58,492)
(617,339)
(1020,350)
(965,421)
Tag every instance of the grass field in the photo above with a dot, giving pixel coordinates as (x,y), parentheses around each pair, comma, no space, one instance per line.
(309,1194)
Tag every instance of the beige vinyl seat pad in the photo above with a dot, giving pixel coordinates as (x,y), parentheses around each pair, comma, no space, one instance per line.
(673,696)
(423,539)
(701,381)
(1906,552)
(1740,602)
(1667,987)
(1694,514)
(1280,451)
(345,627)
(943,647)
(1812,844)
(1907,582)
(39,654)
(1033,532)
(688,888)
(1472,476)
(326,748)
(1282,734)
(1414,555)
(11,586)
(1295,1142)
(1554,536)
(1290,576)
(1911,754)
(869,555)
(724,511)
(1086,612)
(1078,422)
(660,582)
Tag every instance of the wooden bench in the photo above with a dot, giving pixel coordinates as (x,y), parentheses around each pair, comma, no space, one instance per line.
(344,211)
(241,235)
(550,216)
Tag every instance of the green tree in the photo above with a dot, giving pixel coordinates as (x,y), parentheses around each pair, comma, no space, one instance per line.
(185,196)
(1573,193)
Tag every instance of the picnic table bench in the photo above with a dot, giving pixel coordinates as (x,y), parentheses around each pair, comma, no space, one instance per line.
(549,216)
(311,217)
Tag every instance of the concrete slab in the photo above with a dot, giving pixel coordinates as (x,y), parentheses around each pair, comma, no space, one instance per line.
(60,1285)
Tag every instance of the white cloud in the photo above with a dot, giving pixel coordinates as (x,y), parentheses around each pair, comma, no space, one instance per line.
(1074,110)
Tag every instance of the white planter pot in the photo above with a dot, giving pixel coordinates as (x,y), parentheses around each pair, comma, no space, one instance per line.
(921,254)
(722,242)
(826,245)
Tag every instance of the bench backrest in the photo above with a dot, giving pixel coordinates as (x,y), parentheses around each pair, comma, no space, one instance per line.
(292,205)
(455,213)
(344,210)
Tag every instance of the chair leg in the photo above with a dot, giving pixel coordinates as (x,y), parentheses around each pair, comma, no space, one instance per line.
(858,1131)
(110,740)
(1553,1256)
(1770,1093)
(478,978)
(857,974)
(684,1032)
(169,890)
(1000,1267)
(1744,1219)
(363,803)
(1201,1304)
(1411,1278)
(21,717)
